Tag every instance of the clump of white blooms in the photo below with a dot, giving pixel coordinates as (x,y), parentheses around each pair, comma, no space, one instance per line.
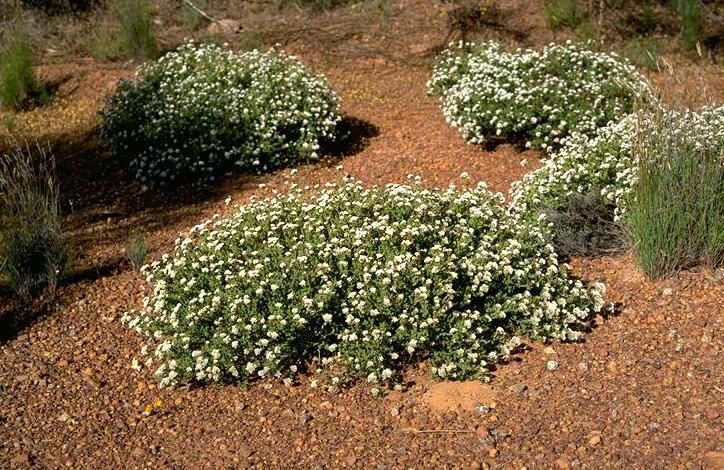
(358,282)
(606,163)
(539,97)
(203,110)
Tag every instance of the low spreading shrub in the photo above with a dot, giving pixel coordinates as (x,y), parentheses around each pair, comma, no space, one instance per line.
(33,250)
(676,209)
(358,282)
(536,97)
(203,110)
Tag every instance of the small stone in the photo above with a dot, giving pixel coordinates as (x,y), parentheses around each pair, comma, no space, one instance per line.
(563,463)
(611,366)
(304,418)
(552,365)
(518,388)
(712,413)
(225,26)
(395,411)
(668,292)
(63,417)
(594,440)
(582,366)
(351,459)
(548,351)
(492,453)
(713,460)
(475,465)
(239,406)
(482,432)
(581,450)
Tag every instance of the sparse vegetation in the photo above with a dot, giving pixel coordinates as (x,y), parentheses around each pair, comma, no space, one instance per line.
(33,250)
(136,249)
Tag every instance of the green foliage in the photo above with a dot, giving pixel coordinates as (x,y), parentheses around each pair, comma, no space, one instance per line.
(676,212)
(33,251)
(136,250)
(203,110)
(540,97)
(691,22)
(357,283)
(560,14)
(19,87)
(643,52)
(136,24)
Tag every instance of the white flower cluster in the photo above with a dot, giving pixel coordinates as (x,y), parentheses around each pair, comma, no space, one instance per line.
(357,282)
(606,162)
(539,97)
(203,110)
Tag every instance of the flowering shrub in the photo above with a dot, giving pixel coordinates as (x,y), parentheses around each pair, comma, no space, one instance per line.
(365,280)
(603,163)
(203,110)
(606,161)
(539,97)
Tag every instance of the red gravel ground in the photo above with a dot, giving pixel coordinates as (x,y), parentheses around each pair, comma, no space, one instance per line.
(644,390)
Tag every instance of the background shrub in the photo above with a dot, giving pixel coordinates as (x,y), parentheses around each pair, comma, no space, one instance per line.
(60,7)
(33,250)
(536,97)
(136,23)
(676,212)
(365,280)
(19,87)
(203,110)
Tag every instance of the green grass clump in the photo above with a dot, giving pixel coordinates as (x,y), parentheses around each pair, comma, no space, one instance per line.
(357,283)
(19,87)
(33,250)
(644,52)
(560,14)
(676,209)
(136,24)
(691,22)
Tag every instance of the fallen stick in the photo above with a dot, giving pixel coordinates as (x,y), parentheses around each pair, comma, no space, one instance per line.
(198,10)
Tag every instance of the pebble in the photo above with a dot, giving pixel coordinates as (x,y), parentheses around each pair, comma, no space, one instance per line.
(582,366)
(549,350)
(668,292)
(395,411)
(493,453)
(563,463)
(594,440)
(552,365)
(518,388)
(713,460)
